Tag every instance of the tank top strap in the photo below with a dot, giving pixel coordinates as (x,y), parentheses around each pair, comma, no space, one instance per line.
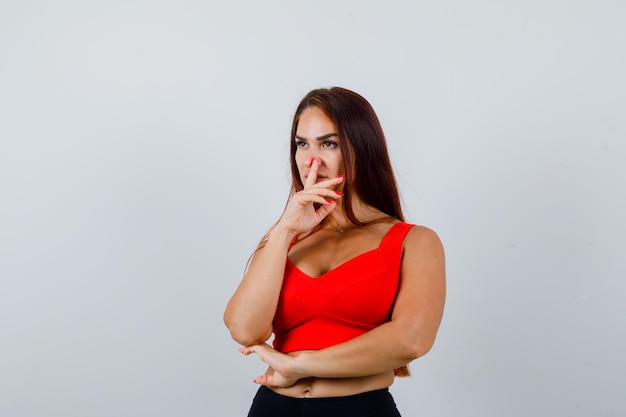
(395,236)
(293,242)
(391,247)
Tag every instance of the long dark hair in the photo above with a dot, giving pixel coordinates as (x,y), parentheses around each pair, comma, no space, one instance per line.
(368,171)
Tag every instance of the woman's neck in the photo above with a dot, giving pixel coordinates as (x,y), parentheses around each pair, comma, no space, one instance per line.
(338,218)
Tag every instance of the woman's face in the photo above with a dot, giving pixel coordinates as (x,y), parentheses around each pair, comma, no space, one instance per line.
(316,137)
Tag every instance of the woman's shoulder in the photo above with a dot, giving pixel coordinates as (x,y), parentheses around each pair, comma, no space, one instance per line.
(420,238)
(423,255)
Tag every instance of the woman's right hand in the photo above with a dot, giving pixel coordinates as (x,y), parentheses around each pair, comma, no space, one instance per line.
(300,215)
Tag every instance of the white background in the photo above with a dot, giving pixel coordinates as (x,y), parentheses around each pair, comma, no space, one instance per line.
(144,151)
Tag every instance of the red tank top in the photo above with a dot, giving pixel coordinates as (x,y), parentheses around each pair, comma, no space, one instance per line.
(343,303)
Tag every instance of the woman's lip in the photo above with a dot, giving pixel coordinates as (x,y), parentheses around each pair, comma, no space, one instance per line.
(319,177)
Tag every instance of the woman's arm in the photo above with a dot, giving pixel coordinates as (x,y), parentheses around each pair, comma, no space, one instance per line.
(410,333)
(250,311)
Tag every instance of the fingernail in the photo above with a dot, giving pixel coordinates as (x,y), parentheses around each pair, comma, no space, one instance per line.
(328,201)
(339,194)
(312,160)
(340,176)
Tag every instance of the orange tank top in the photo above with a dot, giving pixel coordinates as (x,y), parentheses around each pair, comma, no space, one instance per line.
(343,303)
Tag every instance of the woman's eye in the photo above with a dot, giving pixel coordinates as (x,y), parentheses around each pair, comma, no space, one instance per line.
(300,144)
(329,144)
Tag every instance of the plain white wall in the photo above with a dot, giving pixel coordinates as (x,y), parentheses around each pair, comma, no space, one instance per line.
(143,152)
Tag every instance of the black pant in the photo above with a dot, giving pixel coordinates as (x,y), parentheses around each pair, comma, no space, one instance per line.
(377,403)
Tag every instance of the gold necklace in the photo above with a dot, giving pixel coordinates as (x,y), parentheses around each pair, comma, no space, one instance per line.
(339,229)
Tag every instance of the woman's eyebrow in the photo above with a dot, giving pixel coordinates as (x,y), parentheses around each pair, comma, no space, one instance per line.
(319,138)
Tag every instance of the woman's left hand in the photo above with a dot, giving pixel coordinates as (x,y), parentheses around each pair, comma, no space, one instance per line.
(284,375)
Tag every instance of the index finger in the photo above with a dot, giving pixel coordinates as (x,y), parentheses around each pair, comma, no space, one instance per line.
(311,178)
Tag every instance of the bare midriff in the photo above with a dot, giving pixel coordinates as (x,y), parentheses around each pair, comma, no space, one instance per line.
(334,387)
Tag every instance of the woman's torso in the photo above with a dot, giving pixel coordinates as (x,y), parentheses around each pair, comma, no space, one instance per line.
(315,256)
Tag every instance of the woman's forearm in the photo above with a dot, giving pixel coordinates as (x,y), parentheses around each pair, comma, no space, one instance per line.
(251,309)
(384,348)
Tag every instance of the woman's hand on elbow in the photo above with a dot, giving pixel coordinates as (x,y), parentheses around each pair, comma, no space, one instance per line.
(284,370)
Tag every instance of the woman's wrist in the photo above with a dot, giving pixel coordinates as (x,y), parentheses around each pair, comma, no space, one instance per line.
(282,233)
(300,366)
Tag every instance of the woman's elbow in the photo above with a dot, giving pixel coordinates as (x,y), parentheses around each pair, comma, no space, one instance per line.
(416,347)
(247,337)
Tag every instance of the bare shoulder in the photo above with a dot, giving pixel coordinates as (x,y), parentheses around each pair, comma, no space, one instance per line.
(422,238)
(423,253)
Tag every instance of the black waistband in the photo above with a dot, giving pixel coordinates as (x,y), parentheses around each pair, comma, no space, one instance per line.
(377,403)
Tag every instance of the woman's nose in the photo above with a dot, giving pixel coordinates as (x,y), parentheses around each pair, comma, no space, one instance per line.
(315,157)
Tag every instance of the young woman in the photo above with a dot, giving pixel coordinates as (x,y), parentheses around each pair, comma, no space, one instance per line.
(350,291)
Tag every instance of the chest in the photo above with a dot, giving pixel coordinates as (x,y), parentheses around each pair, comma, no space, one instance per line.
(321,254)
(360,290)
